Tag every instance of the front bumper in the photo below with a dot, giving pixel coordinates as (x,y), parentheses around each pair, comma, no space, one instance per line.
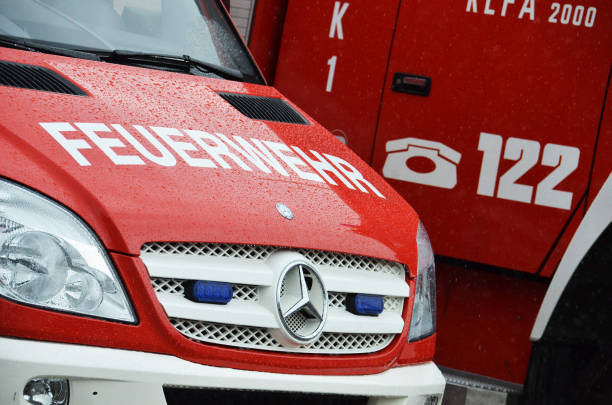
(104,376)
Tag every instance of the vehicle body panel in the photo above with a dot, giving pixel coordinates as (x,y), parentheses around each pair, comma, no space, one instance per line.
(506,96)
(523,70)
(128,205)
(350,108)
(133,96)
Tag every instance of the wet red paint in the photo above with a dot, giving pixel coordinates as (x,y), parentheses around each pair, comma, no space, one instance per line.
(130,205)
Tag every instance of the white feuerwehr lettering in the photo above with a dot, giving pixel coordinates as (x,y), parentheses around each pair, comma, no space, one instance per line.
(322,166)
(292,161)
(72,146)
(251,156)
(216,151)
(106,144)
(166,158)
(353,174)
(262,152)
(221,148)
(181,148)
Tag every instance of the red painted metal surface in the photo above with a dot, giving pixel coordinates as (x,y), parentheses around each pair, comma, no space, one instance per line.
(537,80)
(128,205)
(602,165)
(350,108)
(525,79)
(485,328)
(266,34)
(536,73)
(185,203)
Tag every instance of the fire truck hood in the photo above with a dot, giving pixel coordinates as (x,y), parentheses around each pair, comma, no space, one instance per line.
(182,186)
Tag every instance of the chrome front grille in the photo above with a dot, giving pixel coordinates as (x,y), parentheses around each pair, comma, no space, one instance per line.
(246,321)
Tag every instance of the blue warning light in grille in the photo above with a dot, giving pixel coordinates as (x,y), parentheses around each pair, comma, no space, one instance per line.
(210,292)
(365,304)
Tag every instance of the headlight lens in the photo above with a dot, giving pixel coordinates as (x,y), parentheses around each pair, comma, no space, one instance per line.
(423,321)
(50,258)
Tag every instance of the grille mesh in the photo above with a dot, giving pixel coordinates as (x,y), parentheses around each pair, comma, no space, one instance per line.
(264,108)
(394,304)
(209,249)
(336,299)
(260,338)
(318,257)
(296,321)
(36,78)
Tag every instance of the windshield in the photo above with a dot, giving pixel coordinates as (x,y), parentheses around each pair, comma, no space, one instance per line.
(197,28)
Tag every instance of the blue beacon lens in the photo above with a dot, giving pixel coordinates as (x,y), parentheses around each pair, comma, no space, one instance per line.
(365,304)
(210,292)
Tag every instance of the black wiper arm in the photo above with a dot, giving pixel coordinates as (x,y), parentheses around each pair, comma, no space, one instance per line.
(172,61)
(34,46)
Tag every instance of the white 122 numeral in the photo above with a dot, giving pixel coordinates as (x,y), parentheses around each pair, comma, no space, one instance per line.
(526,152)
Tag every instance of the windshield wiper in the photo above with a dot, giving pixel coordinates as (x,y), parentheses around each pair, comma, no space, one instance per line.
(184,62)
(34,46)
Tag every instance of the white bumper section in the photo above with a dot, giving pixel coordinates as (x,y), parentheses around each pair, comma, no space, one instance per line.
(103,376)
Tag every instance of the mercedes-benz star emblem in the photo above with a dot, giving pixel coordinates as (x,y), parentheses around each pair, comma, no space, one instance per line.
(284,210)
(302,303)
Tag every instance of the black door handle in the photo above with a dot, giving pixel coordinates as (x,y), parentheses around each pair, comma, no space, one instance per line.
(411,84)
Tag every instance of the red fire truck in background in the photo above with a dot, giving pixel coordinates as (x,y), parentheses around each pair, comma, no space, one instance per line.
(488,116)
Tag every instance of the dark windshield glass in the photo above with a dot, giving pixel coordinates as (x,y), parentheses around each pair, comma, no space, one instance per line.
(172,27)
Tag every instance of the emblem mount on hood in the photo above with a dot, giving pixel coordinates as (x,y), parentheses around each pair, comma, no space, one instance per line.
(284,211)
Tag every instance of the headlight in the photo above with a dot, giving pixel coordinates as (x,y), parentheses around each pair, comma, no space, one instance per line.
(423,321)
(50,258)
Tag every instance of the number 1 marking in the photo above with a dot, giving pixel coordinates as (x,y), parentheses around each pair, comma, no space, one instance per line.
(330,77)
(490,145)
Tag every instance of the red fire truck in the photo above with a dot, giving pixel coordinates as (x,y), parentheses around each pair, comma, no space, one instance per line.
(488,116)
(174,231)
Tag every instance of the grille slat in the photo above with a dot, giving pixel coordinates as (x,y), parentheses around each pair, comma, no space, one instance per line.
(264,108)
(36,78)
